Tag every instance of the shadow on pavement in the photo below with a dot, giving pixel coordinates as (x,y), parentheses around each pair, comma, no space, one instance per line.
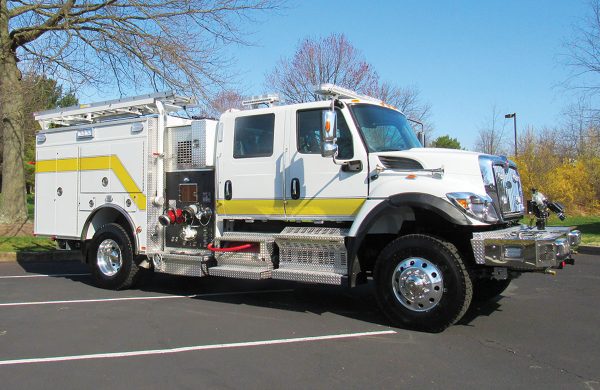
(358,303)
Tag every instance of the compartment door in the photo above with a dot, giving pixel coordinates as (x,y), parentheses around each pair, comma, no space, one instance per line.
(57,192)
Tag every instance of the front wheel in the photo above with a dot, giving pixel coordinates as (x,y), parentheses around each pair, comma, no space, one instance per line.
(422,282)
(111,258)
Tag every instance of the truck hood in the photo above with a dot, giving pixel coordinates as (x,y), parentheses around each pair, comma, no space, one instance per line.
(453,161)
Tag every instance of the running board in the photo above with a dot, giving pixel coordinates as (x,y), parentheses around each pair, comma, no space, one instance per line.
(306,276)
(240,272)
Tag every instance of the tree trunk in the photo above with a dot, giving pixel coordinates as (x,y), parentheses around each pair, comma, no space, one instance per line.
(13,205)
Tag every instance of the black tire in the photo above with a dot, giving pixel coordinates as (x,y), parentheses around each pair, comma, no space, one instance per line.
(111,259)
(485,290)
(439,304)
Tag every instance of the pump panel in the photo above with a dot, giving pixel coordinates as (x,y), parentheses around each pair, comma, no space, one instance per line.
(191,195)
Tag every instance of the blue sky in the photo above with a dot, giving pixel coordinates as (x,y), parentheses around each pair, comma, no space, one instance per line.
(465,56)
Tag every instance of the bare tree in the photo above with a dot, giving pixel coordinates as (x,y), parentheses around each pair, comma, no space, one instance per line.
(327,60)
(127,43)
(580,123)
(407,100)
(491,135)
(334,59)
(583,53)
(223,101)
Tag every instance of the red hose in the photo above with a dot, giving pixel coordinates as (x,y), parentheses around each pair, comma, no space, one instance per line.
(210,247)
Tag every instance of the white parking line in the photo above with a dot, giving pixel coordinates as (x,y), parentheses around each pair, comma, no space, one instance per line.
(192,348)
(41,276)
(140,298)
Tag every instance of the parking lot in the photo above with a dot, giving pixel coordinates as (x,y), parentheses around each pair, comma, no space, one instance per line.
(58,331)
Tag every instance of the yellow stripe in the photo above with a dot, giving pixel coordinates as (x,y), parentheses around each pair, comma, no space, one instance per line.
(251,207)
(301,207)
(324,207)
(95,164)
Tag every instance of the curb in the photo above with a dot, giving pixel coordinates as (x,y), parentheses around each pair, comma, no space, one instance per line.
(589,250)
(40,257)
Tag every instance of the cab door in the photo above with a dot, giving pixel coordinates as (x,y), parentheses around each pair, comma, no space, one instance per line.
(316,188)
(251,166)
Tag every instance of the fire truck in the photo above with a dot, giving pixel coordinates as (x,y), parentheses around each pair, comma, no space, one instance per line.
(338,191)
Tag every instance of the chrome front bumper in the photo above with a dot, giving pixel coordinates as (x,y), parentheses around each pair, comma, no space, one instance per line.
(522,248)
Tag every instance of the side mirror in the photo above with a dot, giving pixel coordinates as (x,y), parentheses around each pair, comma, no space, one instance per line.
(328,149)
(328,133)
(421,136)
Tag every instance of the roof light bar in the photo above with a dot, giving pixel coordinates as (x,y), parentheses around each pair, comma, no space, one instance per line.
(255,101)
(328,89)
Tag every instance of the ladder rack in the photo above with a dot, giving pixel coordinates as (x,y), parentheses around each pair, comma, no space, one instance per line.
(157,103)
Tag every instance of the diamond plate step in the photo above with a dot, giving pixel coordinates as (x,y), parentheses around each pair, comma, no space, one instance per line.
(185,265)
(241,272)
(306,276)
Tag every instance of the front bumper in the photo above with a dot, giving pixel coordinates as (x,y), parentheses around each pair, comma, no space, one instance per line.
(525,249)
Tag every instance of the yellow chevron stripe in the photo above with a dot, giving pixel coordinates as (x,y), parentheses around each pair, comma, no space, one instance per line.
(94,164)
(301,207)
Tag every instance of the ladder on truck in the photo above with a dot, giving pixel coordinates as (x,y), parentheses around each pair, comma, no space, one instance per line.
(157,103)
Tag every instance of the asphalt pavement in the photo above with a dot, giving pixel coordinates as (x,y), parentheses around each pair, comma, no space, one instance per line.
(58,331)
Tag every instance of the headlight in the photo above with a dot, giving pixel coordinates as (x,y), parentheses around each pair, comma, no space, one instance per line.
(476,206)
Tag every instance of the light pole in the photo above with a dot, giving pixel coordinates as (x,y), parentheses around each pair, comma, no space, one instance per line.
(514,116)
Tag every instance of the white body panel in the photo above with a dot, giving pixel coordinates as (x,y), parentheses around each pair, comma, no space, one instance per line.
(105,171)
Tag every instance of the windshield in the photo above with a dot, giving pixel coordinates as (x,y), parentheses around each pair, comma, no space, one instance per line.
(384,129)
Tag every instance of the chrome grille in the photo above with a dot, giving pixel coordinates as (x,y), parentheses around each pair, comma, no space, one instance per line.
(503,184)
(509,190)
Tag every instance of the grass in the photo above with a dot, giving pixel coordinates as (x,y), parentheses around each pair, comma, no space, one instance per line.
(21,243)
(588,225)
(28,244)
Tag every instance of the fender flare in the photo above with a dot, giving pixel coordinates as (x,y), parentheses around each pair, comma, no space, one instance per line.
(389,206)
(119,210)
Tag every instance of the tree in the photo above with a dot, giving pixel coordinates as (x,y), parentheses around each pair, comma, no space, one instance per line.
(327,60)
(583,53)
(491,136)
(544,166)
(122,43)
(223,101)
(445,141)
(407,100)
(41,94)
(335,60)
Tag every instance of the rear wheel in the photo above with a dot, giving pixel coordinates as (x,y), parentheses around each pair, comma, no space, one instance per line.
(111,258)
(421,282)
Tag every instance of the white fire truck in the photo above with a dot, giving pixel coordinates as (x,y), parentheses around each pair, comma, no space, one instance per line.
(338,192)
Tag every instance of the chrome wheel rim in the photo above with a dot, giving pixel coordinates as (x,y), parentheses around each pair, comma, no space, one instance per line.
(418,284)
(109,257)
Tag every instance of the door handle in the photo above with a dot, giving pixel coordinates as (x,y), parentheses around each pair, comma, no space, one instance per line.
(295,188)
(228,190)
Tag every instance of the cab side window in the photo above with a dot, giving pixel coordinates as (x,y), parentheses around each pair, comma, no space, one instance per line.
(253,136)
(308,137)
